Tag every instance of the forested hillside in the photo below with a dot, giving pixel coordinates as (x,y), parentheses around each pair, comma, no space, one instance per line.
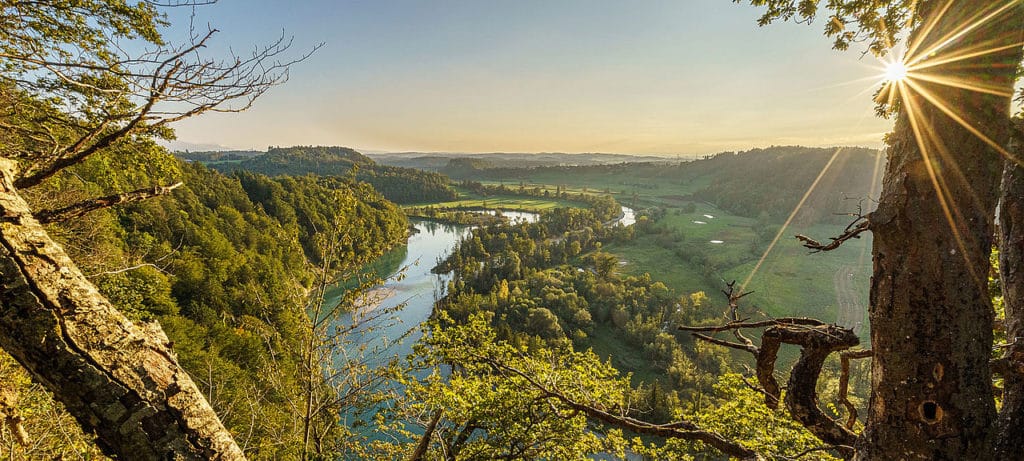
(765,183)
(225,264)
(400,185)
(772,181)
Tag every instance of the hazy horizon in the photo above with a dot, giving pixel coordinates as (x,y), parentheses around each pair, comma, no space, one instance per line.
(656,78)
(176,146)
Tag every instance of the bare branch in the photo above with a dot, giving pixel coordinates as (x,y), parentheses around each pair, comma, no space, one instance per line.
(844,383)
(743,347)
(81,208)
(816,339)
(150,90)
(764,323)
(801,396)
(771,400)
(852,231)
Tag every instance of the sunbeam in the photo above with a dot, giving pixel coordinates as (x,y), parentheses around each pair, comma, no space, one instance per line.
(962,84)
(983,49)
(969,25)
(927,28)
(937,183)
(789,220)
(944,107)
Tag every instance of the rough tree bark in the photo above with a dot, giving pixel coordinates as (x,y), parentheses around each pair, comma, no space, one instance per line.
(118,379)
(931,317)
(1010,436)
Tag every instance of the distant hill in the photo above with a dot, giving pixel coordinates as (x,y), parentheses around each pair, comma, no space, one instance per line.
(217,156)
(400,185)
(765,182)
(771,181)
(437,161)
(302,160)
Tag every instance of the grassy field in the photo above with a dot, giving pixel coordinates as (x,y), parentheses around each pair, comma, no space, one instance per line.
(608,343)
(631,187)
(791,282)
(717,247)
(644,255)
(468,199)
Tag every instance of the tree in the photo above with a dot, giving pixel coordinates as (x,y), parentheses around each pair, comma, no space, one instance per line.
(1010,439)
(931,315)
(69,90)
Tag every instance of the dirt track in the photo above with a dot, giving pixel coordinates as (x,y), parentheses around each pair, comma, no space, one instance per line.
(849,311)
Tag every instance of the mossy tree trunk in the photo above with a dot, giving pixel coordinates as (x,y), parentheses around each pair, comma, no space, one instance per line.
(119,380)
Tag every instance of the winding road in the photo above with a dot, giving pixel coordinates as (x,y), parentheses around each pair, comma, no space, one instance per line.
(849,311)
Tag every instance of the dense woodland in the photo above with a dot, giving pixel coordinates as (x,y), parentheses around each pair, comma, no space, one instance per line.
(225,265)
(400,185)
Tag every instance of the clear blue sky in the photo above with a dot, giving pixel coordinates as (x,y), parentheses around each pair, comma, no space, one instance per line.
(669,77)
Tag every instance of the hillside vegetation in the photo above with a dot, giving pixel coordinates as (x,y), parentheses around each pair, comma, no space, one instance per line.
(225,265)
(400,185)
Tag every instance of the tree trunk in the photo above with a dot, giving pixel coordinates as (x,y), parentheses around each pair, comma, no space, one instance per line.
(1010,436)
(931,316)
(117,379)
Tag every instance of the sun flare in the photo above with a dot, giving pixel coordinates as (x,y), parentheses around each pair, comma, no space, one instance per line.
(895,71)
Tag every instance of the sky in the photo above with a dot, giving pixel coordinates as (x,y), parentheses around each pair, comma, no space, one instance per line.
(673,77)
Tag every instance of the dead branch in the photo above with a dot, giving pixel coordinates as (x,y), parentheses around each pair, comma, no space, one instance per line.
(761,324)
(801,397)
(153,88)
(743,347)
(734,311)
(817,341)
(852,231)
(81,208)
(765,355)
(844,382)
(771,400)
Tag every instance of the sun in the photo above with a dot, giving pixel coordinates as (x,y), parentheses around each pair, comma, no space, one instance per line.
(895,71)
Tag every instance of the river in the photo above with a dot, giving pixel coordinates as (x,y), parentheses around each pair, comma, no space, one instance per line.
(417,287)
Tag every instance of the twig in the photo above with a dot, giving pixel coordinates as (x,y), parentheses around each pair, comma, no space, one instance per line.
(852,231)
